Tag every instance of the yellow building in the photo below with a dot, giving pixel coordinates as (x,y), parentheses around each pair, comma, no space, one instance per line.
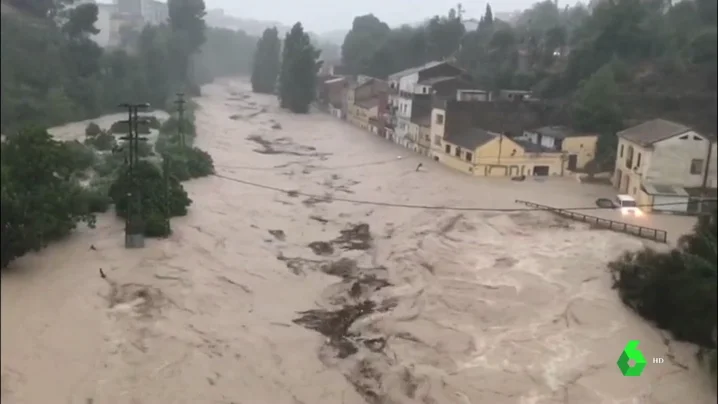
(579,148)
(483,153)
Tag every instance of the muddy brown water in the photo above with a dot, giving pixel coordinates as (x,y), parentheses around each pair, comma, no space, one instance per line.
(393,305)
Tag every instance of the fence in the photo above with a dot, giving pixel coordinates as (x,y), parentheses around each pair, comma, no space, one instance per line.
(660,236)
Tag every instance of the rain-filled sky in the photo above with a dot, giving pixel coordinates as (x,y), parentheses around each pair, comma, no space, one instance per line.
(326,15)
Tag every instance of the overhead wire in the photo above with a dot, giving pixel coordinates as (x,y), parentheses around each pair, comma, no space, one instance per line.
(428,207)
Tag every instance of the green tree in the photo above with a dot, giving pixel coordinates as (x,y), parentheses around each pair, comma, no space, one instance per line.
(297,81)
(266,62)
(366,36)
(677,289)
(597,109)
(47,208)
(186,20)
(151,184)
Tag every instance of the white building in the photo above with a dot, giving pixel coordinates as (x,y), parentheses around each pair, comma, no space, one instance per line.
(659,162)
(408,84)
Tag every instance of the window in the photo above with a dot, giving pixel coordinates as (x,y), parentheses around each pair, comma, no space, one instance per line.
(620,154)
(638,160)
(439,119)
(469,156)
(447,149)
(457,152)
(423,90)
(697,166)
(629,158)
(437,140)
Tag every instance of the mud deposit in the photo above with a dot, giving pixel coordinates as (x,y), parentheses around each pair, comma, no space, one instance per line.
(298,297)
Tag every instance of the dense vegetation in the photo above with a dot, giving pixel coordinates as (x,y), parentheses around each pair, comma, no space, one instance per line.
(661,56)
(266,62)
(676,289)
(297,77)
(52,72)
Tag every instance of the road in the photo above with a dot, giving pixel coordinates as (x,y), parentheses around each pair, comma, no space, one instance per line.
(268,297)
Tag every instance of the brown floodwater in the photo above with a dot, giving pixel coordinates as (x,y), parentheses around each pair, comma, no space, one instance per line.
(269,297)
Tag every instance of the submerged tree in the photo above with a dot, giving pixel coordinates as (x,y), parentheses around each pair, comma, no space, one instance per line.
(266,62)
(161,198)
(297,81)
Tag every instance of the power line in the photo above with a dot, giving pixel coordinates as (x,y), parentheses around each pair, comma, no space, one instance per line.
(283,166)
(427,207)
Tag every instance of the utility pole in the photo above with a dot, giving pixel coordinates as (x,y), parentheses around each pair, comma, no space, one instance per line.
(134,228)
(180,120)
(166,169)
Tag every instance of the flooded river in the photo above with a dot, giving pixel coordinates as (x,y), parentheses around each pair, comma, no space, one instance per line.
(269,297)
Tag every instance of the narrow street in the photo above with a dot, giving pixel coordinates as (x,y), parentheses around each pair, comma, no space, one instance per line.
(268,297)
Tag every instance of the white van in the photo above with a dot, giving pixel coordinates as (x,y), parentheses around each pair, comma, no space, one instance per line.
(627,205)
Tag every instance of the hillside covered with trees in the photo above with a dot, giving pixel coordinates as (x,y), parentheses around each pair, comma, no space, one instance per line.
(662,54)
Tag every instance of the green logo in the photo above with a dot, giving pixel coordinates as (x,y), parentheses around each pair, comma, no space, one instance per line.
(631,352)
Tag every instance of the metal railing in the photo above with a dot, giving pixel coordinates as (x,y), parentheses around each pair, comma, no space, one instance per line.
(649,233)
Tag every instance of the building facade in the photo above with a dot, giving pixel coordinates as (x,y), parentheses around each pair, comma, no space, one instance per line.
(405,86)
(661,161)
(578,148)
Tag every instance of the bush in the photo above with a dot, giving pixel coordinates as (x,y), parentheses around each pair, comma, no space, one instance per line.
(92,130)
(94,200)
(189,163)
(40,201)
(152,192)
(103,141)
(122,128)
(677,289)
(109,164)
(77,157)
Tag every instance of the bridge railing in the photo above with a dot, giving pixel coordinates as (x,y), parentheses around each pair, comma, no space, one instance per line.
(649,233)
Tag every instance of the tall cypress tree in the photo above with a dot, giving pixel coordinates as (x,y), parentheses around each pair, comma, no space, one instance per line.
(297,81)
(266,62)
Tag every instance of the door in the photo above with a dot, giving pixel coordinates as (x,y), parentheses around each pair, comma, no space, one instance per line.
(572,162)
(541,171)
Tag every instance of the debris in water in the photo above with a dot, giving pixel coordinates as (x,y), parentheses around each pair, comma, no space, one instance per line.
(276,126)
(335,324)
(278,234)
(235,117)
(319,219)
(321,247)
(356,237)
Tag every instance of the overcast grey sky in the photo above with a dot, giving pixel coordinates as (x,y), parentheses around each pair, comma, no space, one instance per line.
(325,15)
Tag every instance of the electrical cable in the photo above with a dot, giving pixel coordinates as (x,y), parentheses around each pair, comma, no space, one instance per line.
(283,166)
(427,207)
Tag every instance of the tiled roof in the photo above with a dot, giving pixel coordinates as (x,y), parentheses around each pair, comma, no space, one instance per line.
(434,80)
(471,138)
(558,132)
(415,69)
(653,131)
